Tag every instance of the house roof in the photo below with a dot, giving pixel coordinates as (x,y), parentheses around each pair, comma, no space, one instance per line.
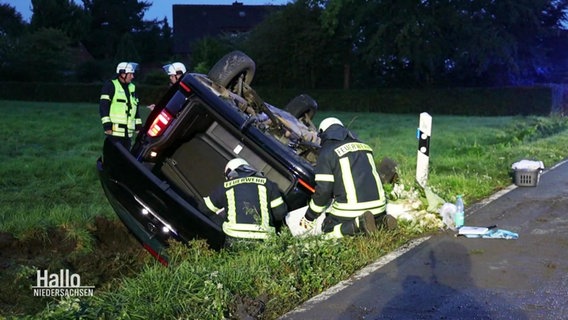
(193,22)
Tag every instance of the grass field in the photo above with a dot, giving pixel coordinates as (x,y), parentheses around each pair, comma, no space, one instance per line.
(49,180)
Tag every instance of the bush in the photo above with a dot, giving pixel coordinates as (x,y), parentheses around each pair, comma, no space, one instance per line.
(92,71)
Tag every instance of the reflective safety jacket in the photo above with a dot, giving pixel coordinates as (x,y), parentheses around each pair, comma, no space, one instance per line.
(253,206)
(346,177)
(119,108)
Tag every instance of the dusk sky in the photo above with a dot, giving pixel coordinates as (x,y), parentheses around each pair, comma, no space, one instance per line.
(158,10)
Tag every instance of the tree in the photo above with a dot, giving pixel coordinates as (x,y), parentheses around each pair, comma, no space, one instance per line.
(341,20)
(411,41)
(290,48)
(109,21)
(207,51)
(530,23)
(154,42)
(12,26)
(126,50)
(420,42)
(64,15)
(43,54)
(11,22)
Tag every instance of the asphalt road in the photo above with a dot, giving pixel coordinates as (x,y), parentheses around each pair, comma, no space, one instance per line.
(449,277)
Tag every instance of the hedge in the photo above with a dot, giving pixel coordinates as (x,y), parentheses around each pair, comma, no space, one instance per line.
(536,100)
(449,101)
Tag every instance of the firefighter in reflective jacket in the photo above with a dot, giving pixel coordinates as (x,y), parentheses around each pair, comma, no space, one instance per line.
(348,188)
(250,205)
(118,105)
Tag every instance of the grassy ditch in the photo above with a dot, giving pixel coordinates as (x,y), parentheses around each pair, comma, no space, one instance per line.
(49,182)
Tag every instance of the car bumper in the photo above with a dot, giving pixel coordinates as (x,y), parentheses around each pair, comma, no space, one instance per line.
(148,207)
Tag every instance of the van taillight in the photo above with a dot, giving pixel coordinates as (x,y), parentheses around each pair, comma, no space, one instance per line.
(160,124)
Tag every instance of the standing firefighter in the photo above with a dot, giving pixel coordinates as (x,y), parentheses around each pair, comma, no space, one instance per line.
(348,187)
(118,105)
(175,71)
(249,205)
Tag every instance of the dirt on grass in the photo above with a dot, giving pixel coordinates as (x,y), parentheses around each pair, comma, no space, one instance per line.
(114,254)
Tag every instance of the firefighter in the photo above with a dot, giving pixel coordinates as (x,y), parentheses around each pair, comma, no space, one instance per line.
(248,205)
(175,71)
(118,106)
(348,188)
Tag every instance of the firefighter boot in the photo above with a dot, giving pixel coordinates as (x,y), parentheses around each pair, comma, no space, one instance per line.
(386,221)
(365,223)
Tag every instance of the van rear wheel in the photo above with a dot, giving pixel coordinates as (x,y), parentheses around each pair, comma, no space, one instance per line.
(232,67)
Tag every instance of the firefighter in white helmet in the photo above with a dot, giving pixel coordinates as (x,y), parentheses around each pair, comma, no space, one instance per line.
(348,188)
(175,71)
(248,205)
(118,105)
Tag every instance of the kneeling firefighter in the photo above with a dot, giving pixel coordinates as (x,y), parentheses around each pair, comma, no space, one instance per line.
(250,206)
(348,187)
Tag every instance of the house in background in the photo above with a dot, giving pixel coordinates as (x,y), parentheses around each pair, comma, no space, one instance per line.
(194,22)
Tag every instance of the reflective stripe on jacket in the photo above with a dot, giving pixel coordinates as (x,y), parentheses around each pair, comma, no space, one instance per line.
(253,205)
(346,177)
(123,110)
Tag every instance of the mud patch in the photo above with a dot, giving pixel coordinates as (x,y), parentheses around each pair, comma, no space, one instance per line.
(115,254)
(243,307)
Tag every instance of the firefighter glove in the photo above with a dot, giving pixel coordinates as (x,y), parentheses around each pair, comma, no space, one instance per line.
(306,224)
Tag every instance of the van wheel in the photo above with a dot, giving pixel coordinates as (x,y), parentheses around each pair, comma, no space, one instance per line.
(302,106)
(231,67)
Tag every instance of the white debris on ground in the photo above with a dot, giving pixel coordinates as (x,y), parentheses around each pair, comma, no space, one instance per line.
(406,205)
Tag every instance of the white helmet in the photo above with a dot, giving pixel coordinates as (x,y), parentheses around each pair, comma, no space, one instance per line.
(126,67)
(233,165)
(328,122)
(174,68)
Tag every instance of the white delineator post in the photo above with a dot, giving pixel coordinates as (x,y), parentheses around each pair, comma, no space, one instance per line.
(423,156)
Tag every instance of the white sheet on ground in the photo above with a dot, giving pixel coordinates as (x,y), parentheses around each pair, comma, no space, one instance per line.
(293,221)
(528,165)
(470,230)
